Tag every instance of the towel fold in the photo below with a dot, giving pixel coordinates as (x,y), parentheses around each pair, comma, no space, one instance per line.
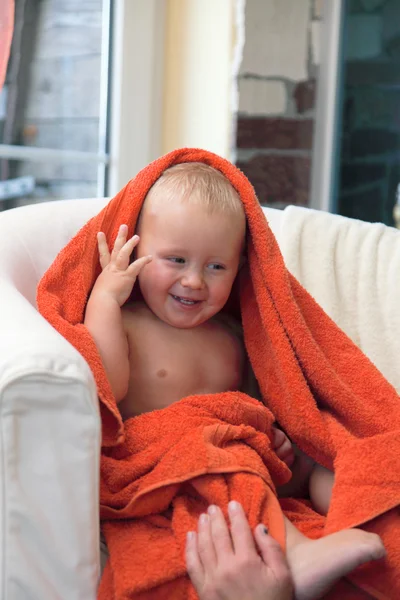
(175,462)
(328,396)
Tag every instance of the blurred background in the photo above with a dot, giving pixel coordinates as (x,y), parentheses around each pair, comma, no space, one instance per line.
(303,95)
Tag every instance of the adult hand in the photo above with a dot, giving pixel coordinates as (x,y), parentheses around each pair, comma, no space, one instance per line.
(225,565)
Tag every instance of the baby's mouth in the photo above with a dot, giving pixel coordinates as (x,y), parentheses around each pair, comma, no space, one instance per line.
(185,301)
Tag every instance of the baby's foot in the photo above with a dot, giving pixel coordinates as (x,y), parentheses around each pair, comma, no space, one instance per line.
(316,565)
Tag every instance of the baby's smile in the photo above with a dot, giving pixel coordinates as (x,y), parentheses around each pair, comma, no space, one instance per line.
(185,301)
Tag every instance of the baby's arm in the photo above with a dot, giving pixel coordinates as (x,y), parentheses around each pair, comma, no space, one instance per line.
(103,316)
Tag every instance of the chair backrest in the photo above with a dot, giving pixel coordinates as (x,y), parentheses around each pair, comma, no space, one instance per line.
(31,237)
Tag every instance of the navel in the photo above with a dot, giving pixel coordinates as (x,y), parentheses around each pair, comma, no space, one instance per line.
(162,373)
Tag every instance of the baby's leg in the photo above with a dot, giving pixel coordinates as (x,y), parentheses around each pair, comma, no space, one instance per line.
(316,565)
(320,488)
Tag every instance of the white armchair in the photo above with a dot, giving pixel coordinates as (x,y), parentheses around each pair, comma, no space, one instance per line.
(49,419)
(49,422)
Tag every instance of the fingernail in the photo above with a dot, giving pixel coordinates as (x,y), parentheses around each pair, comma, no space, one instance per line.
(264,530)
(212,510)
(190,536)
(203,519)
(233,506)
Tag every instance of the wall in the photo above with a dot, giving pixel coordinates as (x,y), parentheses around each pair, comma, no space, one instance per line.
(277,82)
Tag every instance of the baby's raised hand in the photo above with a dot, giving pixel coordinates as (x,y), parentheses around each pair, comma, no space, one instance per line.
(118,275)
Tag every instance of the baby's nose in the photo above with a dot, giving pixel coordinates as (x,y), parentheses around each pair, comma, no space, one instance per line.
(193,279)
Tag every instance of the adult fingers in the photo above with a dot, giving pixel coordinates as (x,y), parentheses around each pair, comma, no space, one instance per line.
(220,534)
(205,544)
(104,252)
(272,554)
(193,562)
(241,533)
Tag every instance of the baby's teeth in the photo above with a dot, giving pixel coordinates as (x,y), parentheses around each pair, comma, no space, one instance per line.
(183,300)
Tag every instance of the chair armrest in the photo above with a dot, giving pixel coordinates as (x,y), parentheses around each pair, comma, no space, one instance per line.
(49,460)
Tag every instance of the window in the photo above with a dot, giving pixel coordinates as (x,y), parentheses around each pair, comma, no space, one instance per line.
(54,104)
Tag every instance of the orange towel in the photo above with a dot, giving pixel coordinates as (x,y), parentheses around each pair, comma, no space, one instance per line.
(167,473)
(326,394)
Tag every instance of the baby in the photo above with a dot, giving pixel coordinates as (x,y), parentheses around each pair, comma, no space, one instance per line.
(174,339)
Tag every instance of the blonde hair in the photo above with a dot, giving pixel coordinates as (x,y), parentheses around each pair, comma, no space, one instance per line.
(197,183)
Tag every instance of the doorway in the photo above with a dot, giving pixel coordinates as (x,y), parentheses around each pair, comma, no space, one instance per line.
(357,161)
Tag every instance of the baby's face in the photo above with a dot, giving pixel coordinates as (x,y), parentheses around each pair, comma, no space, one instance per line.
(196,258)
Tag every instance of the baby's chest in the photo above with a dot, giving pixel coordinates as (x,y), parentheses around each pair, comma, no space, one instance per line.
(188,361)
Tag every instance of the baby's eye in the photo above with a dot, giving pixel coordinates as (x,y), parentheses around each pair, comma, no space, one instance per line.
(216,267)
(177,259)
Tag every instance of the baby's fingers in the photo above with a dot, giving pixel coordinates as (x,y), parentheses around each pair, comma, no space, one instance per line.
(123,256)
(135,268)
(279,437)
(104,252)
(120,241)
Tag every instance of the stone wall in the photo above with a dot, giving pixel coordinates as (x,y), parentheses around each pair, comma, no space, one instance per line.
(370,144)
(277,82)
